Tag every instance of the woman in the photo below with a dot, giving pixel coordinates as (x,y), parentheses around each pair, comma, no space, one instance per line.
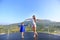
(34,25)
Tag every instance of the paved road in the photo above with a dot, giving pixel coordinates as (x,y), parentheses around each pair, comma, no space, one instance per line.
(29,36)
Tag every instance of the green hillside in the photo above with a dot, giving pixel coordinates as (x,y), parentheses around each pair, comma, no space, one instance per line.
(42,26)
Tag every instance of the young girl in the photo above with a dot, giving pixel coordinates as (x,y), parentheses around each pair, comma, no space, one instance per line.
(22,29)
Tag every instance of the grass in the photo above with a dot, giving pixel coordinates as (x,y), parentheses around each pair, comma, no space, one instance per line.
(28,29)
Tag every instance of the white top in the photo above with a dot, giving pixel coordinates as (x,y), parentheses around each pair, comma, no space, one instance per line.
(33,23)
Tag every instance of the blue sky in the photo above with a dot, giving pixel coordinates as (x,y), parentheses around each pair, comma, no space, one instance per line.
(15,11)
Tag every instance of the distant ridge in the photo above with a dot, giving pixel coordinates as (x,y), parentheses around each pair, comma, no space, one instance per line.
(39,21)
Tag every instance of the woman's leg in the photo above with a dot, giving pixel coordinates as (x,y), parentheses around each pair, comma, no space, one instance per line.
(34,30)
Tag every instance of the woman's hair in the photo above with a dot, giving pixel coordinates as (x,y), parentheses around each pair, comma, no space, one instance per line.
(34,18)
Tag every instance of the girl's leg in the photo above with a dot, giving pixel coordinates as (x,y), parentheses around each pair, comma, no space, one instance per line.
(22,34)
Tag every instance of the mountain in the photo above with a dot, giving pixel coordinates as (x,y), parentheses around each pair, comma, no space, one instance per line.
(44,22)
(38,22)
(42,25)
